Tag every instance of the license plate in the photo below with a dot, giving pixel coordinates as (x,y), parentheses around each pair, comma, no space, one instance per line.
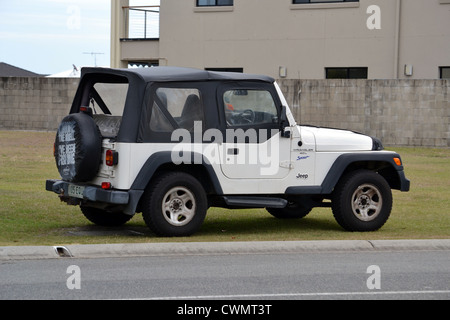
(76,191)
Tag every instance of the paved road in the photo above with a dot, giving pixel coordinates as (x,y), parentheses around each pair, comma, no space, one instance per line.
(402,274)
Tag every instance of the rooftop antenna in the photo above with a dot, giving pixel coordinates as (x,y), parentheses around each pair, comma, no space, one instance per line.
(94,54)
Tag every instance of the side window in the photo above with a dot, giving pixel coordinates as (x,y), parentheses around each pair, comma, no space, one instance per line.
(175,108)
(107,101)
(109,98)
(249,107)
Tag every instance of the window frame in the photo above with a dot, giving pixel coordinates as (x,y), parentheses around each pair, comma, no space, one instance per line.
(324,5)
(321,1)
(348,71)
(198,5)
(146,134)
(441,72)
(250,85)
(254,111)
(231,69)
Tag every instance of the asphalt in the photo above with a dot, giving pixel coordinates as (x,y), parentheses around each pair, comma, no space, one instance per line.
(214,248)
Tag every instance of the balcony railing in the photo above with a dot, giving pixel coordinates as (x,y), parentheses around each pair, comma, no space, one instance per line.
(142,22)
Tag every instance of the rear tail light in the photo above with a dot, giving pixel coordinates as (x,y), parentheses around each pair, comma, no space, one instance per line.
(106,185)
(112,158)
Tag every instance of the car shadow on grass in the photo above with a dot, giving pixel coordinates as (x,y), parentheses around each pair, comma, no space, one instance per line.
(218,228)
(265,226)
(91,230)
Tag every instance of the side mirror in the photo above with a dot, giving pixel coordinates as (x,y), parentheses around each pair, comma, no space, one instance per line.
(284,123)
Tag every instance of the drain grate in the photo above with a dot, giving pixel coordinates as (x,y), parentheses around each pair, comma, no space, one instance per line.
(63,252)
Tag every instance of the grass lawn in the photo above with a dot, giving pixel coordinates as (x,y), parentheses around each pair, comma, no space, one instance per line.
(29,215)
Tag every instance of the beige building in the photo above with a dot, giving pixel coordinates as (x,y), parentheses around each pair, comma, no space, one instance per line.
(292,39)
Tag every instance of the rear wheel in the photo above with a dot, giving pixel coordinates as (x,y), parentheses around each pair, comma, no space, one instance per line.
(362,201)
(175,205)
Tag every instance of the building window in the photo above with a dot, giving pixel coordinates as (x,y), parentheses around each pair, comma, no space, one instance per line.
(214,3)
(346,73)
(236,70)
(142,22)
(444,72)
(321,1)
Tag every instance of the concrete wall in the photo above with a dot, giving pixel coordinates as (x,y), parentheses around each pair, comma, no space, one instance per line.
(400,112)
(35,103)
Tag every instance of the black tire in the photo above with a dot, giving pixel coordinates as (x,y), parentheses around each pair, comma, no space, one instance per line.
(292,211)
(105,218)
(362,201)
(175,205)
(78,148)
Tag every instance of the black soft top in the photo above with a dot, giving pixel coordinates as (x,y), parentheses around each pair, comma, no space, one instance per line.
(175,74)
(139,79)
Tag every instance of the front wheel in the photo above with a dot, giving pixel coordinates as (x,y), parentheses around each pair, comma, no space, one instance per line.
(175,205)
(362,201)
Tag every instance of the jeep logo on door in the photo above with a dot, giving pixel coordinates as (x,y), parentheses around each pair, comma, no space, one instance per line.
(303,176)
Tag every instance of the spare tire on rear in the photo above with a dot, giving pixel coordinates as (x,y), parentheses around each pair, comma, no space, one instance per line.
(78,148)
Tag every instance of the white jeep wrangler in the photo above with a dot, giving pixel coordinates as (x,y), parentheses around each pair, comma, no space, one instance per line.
(171,142)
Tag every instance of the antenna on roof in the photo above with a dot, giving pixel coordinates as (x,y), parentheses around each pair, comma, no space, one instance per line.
(94,54)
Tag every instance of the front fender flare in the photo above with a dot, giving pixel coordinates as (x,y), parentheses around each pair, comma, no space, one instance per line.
(343,162)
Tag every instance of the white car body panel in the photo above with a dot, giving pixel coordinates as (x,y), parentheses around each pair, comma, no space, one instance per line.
(293,165)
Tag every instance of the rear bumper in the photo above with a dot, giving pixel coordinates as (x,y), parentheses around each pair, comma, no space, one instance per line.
(90,193)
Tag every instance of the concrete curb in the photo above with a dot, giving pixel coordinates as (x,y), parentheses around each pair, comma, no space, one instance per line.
(215,248)
(27,253)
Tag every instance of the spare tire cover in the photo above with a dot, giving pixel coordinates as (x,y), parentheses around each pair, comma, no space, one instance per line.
(78,148)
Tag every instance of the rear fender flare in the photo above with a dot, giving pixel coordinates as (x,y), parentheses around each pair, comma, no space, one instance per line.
(159,159)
